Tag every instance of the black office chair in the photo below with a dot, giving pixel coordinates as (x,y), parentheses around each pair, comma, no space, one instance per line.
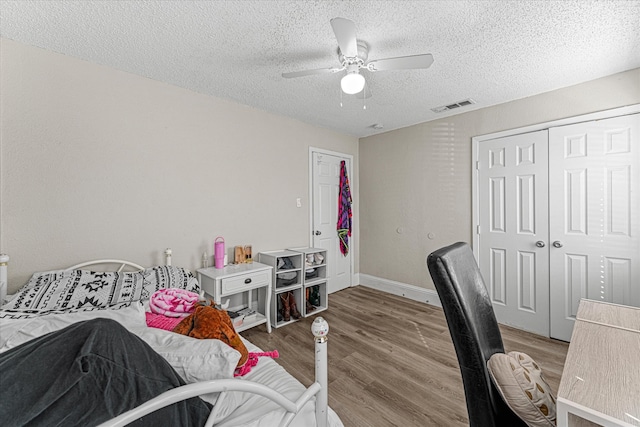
(474,331)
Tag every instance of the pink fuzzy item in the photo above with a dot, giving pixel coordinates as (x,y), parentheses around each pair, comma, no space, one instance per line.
(173,302)
(253,361)
(161,321)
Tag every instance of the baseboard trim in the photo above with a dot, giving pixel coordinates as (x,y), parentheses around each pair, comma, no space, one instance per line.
(412,292)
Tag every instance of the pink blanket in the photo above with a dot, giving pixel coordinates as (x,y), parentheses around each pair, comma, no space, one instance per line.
(162,322)
(173,302)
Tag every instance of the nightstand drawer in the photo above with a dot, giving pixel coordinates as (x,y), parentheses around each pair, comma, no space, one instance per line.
(245,281)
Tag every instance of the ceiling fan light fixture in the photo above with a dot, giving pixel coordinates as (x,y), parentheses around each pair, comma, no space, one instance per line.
(352,83)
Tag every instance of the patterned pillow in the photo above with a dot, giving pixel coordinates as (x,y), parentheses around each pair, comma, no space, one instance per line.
(42,277)
(167,276)
(81,290)
(78,288)
(521,384)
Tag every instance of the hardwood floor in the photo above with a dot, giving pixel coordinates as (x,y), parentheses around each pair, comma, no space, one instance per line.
(391,359)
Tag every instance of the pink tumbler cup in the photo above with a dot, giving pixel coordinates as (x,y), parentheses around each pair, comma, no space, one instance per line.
(218,252)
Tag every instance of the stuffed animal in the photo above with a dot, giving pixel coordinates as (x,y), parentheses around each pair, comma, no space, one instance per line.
(207,322)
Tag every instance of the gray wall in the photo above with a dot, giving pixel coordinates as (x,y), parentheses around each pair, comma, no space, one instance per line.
(99,163)
(417,180)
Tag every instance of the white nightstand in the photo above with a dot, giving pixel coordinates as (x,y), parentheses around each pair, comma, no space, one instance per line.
(236,279)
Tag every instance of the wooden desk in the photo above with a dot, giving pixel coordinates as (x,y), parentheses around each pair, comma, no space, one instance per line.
(601,377)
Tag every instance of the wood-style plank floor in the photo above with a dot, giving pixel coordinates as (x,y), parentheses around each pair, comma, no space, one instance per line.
(391,359)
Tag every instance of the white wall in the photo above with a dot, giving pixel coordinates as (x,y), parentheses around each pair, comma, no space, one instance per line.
(417,180)
(98,163)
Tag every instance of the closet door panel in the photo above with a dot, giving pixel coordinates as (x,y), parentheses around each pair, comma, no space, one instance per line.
(512,189)
(594,215)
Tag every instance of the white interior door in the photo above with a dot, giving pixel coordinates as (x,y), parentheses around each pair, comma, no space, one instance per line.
(513,253)
(326,189)
(594,170)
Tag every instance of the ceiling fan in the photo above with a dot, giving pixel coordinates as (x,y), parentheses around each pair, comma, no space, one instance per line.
(353,55)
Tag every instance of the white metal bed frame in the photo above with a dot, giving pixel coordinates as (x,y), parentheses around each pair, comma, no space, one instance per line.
(319,388)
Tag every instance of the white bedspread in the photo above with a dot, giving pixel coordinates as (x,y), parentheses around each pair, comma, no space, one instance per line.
(254,410)
(195,360)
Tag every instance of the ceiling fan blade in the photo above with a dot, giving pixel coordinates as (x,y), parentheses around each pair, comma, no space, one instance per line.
(310,72)
(401,63)
(345,31)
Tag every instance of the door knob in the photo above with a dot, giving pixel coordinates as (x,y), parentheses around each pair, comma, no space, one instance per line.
(318,232)
(540,244)
(557,244)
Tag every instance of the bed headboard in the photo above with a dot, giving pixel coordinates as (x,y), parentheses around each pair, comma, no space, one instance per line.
(4,262)
(121,264)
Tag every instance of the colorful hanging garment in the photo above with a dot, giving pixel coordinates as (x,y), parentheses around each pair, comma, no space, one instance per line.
(344,210)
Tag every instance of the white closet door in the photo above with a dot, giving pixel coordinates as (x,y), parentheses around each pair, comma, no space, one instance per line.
(513,251)
(594,222)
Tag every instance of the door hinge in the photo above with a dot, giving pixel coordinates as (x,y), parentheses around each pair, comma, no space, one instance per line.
(477,229)
(478,165)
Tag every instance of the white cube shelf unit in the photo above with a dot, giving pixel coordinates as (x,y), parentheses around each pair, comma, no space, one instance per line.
(314,280)
(288,273)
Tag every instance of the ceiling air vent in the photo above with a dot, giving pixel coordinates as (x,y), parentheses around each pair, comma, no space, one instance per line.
(453,106)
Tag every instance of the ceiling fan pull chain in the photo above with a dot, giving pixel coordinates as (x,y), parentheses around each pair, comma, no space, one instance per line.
(364,97)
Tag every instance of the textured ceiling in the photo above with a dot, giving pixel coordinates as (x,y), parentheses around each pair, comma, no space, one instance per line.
(490,51)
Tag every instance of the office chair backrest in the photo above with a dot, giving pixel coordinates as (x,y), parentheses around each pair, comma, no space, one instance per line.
(474,331)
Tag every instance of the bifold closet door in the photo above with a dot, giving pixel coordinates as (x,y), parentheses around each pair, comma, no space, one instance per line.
(594,221)
(513,252)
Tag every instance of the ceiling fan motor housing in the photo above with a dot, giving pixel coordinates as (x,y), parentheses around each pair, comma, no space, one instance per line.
(363,54)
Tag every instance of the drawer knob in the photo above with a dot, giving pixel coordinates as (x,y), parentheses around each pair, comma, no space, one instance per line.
(247,281)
